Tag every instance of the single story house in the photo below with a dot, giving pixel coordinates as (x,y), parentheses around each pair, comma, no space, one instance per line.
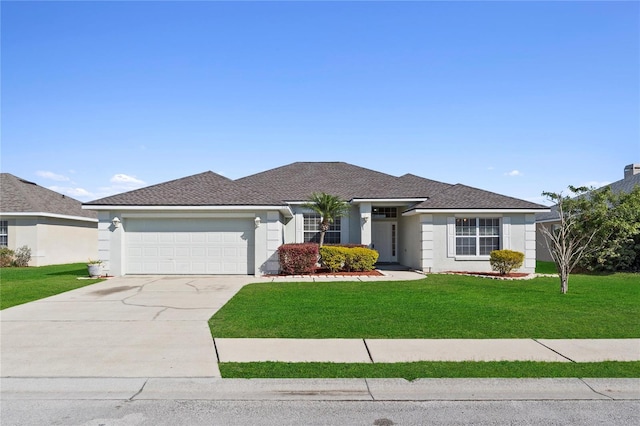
(55,227)
(548,219)
(209,224)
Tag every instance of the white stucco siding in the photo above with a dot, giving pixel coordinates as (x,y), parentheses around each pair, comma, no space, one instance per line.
(409,241)
(52,240)
(518,236)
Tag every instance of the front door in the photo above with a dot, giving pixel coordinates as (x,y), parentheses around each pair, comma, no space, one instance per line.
(383,240)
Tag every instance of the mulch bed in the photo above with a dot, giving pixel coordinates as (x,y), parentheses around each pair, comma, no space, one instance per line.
(324,272)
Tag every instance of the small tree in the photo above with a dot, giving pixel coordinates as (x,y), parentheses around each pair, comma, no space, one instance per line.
(329,207)
(505,261)
(571,240)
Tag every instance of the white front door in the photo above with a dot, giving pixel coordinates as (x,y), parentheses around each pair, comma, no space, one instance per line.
(384,239)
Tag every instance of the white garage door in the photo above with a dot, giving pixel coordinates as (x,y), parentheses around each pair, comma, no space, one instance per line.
(189,246)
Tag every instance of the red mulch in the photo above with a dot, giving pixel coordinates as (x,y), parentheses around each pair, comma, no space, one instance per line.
(323,272)
(490,274)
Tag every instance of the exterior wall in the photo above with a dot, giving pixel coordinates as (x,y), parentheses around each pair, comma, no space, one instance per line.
(53,241)
(409,241)
(542,252)
(518,233)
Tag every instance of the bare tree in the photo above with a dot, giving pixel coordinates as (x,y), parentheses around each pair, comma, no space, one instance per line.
(569,241)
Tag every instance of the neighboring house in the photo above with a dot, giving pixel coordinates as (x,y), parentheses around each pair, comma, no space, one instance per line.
(551,218)
(52,225)
(209,224)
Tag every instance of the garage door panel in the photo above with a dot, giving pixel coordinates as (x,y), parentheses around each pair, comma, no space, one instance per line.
(189,246)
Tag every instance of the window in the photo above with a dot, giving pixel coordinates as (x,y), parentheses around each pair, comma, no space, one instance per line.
(312,230)
(4,233)
(477,236)
(384,212)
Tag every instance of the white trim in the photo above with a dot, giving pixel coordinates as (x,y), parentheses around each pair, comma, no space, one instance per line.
(451,236)
(506,233)
(188,215)
(472,211)
(286,211)
(52,215)
(388,200)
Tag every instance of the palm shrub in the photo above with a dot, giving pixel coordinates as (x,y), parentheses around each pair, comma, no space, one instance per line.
(329,207)
(505,261)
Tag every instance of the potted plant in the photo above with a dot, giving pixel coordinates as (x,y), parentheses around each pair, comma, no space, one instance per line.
(94,267)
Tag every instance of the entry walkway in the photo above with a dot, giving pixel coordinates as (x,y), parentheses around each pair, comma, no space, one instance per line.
(411,350)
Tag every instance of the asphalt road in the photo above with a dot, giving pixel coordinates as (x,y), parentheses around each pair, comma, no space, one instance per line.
(378,413)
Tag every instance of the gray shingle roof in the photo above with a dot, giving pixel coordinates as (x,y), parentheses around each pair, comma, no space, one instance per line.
(465,197)
(297,181)
(204,189)
(21,196)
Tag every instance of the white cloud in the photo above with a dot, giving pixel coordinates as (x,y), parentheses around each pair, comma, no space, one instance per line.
(595,184)
(514,173)
(73,192)
(52,176)
(121,178)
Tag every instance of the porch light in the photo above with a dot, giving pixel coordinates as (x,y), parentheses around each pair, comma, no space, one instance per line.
(116,222)
(257,221)
(365,219)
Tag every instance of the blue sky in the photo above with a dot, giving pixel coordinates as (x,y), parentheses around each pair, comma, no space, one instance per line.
(512,97)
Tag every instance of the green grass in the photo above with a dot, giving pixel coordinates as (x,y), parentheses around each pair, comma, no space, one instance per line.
(546,267)
(414,370)
(22,285)
(439,306)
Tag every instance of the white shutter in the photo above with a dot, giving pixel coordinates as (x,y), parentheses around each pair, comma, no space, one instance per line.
(506,233)
(451,237)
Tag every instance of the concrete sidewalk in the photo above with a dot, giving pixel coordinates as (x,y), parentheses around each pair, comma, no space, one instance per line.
(411,350)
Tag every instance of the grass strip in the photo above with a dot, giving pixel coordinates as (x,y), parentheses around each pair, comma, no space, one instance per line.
(22,285)
(415,370)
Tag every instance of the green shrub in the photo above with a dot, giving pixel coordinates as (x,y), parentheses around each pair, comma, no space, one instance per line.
(333,257)
(505,261)
(22,256)
(360,259)
(6,257)
(298,258)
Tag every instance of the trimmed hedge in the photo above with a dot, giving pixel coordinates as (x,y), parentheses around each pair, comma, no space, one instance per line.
(505,261)
(348,258)
(298,258)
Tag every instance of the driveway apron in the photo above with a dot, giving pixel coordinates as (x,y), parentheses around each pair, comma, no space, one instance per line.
(138,326)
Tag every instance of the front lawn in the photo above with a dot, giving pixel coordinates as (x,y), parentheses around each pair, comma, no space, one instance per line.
(22,285)
(437,307)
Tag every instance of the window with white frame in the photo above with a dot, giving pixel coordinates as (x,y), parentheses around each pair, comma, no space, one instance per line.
(4,233)
(312,230)
(477,236)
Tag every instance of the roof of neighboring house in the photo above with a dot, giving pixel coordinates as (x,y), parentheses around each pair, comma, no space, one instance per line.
(625,185)
(297,181)
(21,196)
(203,189)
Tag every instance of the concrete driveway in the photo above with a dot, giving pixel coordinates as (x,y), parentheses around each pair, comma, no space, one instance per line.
(124,327)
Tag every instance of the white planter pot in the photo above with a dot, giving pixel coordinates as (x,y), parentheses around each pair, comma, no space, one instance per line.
(94,269)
